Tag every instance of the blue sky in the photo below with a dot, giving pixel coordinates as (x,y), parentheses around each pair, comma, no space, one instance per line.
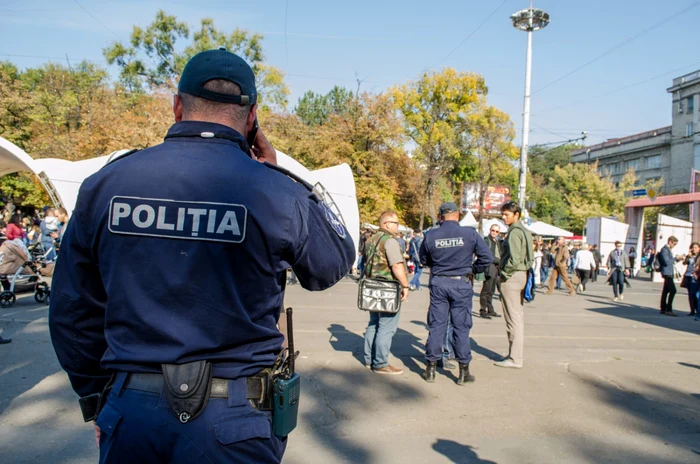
(391,42)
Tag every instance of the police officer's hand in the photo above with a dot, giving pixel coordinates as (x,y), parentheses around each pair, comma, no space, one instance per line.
(263,150)
(404,294)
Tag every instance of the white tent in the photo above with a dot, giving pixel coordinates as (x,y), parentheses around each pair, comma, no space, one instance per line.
(546,230)
(469,220)
(62,179)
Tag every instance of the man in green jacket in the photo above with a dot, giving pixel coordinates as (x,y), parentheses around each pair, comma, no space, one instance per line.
(516,260)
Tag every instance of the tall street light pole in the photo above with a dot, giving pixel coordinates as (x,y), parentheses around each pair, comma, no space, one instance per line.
(529,20)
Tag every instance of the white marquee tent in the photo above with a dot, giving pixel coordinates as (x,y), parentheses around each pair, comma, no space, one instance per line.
(62,179)
(546,230)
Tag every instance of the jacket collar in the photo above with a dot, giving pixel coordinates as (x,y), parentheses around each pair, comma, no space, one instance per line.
(207,131)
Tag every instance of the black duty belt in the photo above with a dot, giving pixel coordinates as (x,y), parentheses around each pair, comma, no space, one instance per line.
(154,383)
(459,277)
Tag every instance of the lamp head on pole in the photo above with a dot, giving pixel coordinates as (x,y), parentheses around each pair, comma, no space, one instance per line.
(531,19)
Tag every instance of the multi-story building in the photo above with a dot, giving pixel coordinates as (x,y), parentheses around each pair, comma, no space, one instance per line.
(671,153)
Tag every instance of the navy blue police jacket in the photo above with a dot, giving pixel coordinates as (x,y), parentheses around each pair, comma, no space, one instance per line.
(179,252)
(449,250)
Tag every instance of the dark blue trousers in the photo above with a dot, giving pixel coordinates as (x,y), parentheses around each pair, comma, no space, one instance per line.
(449,299)
(139,427)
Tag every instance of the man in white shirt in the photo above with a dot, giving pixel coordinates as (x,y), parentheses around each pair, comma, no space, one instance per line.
(584,264)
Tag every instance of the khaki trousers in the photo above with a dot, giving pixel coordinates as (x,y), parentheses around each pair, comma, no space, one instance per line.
(556,272)
(512,301)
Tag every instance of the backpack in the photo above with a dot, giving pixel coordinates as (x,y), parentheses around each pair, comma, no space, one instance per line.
(529,291)
(656,265)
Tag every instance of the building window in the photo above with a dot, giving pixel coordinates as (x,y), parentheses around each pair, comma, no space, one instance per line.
(691,105)
(689,129)
(632,164)
(653,162)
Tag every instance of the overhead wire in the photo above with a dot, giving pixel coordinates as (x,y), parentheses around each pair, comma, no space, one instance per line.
(620,45)
(474,31)
(95,18)
(612,92)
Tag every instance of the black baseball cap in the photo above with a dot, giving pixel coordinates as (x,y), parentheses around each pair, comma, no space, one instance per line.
(219,64)
(447,208)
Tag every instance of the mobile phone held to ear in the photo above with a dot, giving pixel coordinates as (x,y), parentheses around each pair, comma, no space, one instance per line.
(252,134)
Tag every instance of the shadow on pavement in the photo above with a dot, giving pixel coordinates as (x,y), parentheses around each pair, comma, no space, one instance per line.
(404,345)
(344,340)
(644,314)
(458,453)
(340,398)
(671,415)
(694,366)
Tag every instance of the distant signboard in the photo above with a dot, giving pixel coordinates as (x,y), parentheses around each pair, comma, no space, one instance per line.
(639,192)
(494,197)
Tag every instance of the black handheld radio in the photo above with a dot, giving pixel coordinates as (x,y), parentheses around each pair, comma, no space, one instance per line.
(286,389)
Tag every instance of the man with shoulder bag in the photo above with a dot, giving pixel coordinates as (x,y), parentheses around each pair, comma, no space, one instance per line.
(385,261)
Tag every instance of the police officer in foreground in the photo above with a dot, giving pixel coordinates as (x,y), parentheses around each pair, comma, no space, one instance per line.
(449,252)
(171,280)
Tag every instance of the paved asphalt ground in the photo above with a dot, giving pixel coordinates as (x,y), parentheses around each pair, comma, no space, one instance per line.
(603,382)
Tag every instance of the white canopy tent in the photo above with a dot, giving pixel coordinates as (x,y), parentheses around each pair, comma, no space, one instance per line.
(469,221)
(62,179)
(546,230)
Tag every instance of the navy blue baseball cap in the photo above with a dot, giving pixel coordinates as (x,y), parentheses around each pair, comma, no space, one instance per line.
(219,64)
(447,208)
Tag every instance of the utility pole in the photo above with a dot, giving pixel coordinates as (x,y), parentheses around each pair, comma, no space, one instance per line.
(529,20)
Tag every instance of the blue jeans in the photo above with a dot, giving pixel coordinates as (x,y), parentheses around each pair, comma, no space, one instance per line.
(378,336)
(139,427)
(416,277)
(693,295)
(544,273)
(558,287)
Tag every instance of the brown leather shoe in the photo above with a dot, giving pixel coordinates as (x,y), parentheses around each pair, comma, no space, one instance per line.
(388,370)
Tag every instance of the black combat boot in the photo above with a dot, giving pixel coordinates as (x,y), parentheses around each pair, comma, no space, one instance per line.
(464,375)
(429,374)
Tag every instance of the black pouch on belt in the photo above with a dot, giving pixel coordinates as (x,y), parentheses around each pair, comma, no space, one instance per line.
(187,388)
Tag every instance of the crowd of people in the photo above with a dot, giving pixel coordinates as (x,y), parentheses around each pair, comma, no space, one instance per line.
(555,265)
(29,236)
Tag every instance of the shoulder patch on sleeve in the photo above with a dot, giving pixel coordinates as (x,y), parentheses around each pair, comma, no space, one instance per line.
(334,222)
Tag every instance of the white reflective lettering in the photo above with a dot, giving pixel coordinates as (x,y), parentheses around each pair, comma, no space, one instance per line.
(229,222)
(120,211)
(196,214)
(150,216)
(211,223)
(449,242)
(181,219)
(161,224)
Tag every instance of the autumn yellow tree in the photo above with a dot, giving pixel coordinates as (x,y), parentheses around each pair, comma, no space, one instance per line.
(439,109)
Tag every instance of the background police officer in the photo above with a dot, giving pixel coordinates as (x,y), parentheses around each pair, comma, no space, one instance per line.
(178,254)
(449,252)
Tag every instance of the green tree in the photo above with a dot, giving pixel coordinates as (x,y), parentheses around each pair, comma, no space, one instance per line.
(23,190)
(439,110)
(368,137)
(492,153)
(151,60)
(315,109)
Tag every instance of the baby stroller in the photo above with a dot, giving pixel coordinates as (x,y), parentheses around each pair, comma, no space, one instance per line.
(18,274)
